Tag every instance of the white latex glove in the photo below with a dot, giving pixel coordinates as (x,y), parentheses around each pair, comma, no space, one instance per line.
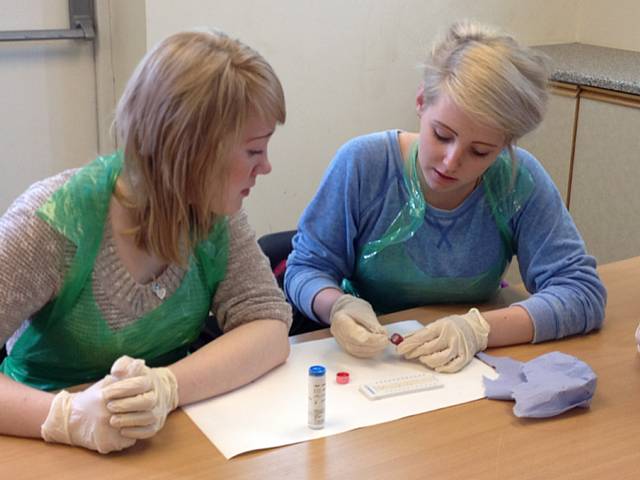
(638,337)
(356,328)
(140,404)
(82,419)
(448,344)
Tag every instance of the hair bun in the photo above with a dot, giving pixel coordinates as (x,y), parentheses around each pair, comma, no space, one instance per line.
(468,30)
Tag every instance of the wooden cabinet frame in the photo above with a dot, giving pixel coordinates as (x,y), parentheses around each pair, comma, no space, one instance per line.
(593,93)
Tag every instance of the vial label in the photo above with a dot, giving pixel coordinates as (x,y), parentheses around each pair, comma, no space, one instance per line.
(317,394)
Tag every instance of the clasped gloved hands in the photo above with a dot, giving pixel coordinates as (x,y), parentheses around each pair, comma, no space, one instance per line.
(82,419)
(448,344)
(140,404)
(130,403)
(356,328)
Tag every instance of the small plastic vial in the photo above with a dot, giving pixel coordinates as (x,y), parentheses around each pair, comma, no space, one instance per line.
(317,393)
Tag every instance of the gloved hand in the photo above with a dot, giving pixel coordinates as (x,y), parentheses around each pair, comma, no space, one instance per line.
(356,328)
(140,404)
(448,344)
(82,419)
(638,337)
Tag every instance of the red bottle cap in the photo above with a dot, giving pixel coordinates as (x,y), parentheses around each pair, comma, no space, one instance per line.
(342,377)
(396,339)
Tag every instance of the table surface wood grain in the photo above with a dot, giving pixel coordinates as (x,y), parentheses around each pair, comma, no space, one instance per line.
(477,440)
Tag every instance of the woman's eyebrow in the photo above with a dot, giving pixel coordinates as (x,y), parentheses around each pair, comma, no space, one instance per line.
(444,125)
(266,135)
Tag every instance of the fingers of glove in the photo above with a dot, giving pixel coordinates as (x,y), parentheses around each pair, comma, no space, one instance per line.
(342,324)
(115,443)
(138,403)
(104,382)
(425,335)
(346,329)
(455,365)
(373,326)
(136,368)
(88,422)
(126,366)
(374,345)
(370,322)
(439,358)
(354,339)
(134,419)
(432,338)
(428,348)
(105,441)
(140,433)
(127,387)
(365,316)
(358,309)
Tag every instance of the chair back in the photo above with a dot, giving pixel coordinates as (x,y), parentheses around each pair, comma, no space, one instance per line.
(277,247)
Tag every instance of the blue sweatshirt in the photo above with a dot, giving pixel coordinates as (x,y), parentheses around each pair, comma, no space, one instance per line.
(363,191)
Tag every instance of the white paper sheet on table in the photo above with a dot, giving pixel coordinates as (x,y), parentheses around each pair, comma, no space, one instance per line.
(272,411)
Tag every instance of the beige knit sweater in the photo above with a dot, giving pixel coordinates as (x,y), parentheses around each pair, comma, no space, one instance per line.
(34,258)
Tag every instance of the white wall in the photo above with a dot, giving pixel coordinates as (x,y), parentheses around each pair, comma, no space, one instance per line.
(128,37)
(47,99)
(347,67)
(57,97)
(120,44)
(610,24)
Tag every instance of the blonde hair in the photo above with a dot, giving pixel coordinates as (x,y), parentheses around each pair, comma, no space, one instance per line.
(183,109)
(489,75)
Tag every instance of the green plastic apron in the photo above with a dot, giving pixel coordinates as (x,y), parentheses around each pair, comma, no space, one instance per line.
(386,276)
(69,342)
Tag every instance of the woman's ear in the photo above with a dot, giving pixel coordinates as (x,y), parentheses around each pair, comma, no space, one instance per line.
(420,100)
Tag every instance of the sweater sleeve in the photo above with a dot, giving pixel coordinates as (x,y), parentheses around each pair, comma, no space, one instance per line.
(567,295)
(249,290)
(325,247)
(31,257)
(358,197)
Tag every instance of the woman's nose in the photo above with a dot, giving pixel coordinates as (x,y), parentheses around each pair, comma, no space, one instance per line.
(452,158)
(264,167)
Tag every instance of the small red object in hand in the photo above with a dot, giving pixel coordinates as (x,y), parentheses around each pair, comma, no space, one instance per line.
(396,339)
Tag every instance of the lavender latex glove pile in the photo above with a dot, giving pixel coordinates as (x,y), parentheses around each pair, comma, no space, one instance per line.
(543,387)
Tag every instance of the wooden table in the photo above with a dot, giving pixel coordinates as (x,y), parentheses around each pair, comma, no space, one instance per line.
(478,440)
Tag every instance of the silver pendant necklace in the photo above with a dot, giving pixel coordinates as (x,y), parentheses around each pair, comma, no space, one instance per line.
(158,289)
